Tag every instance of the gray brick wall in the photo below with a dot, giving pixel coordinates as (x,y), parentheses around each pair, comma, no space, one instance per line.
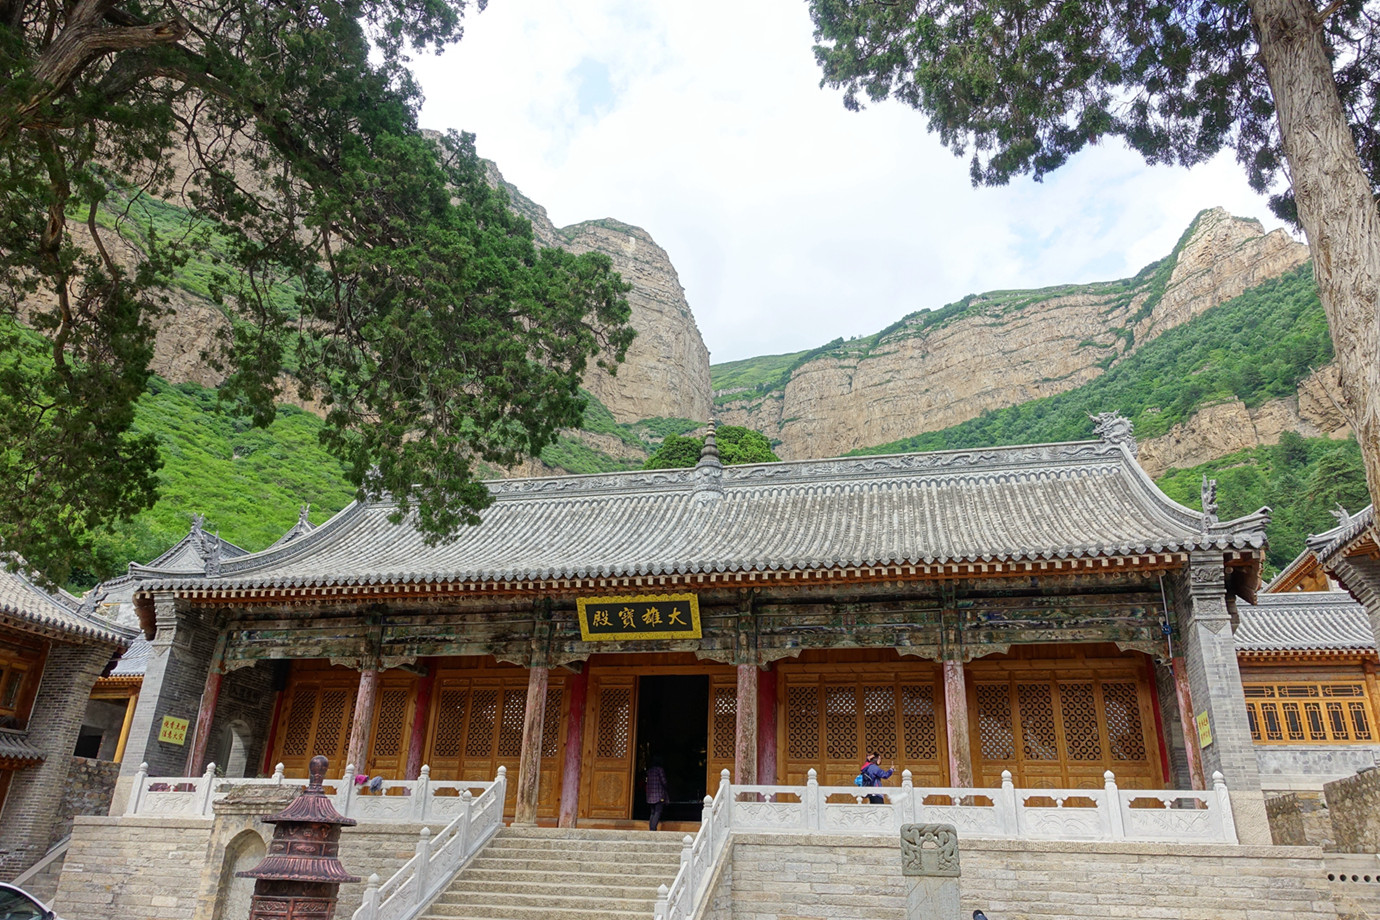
(35,795)
(176,676)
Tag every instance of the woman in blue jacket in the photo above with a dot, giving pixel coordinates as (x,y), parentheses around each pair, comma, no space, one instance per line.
(873,774)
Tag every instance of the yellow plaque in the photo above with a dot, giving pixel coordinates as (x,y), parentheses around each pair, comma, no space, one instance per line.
(1204,730)
(643,616)
(174,731)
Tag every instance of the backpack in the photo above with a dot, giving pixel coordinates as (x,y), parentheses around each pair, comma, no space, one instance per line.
(860,779)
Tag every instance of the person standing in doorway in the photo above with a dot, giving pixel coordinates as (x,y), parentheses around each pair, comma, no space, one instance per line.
(656,791)
(873,774)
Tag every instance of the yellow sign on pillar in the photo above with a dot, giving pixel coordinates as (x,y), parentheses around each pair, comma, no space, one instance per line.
(174,730)
(1204,730)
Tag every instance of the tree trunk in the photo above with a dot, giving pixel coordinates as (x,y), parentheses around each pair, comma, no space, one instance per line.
(1335,205)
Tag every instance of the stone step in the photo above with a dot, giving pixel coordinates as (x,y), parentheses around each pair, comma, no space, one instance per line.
(587,833)
(462,892)
(584,866)
(565,876)
(494,912)
(459,902)
(613,844)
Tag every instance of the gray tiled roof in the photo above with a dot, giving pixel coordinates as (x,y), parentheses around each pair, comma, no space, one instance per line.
(1031,502)
(16,750)
(1327,544)
(1303,621)
(53,613)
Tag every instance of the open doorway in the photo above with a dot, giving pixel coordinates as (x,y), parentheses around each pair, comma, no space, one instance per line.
(673,724)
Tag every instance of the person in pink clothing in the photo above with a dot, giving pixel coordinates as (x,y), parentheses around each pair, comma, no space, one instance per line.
(656,791)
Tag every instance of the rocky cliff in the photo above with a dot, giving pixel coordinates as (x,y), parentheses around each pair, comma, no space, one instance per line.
(935,369)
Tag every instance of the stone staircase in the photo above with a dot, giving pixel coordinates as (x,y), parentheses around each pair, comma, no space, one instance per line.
(530,873)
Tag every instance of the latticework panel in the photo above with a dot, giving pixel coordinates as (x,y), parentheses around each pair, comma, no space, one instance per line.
(918,722)
(388,722)
(551,724)
(483,717)
(301,711)
(725,722)
(336,706)
(998,740)
(879,720)
(510,724)
(450,722)
(1336,712)
(841,723)
(1038,738)
(1125,733)
(802,722)
(615,721)
(1078,709)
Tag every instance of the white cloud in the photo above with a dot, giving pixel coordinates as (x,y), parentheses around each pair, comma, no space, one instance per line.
(789,220)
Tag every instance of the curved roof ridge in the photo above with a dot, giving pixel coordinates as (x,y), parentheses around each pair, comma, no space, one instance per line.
(328,531)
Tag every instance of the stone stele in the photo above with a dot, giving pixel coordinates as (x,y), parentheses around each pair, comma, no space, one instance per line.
(929,864)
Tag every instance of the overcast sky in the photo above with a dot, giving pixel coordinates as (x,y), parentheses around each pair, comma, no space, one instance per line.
(790,220)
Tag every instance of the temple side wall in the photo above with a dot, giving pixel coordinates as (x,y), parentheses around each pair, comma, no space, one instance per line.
(1354,804)
(1298,767)
(814,877)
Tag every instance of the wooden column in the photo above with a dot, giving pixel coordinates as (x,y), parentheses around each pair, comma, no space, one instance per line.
(362,726)
(1190,724)
(745,738)
(416,744)
(766,726)
(956,724)
(206,712)
(529,763)
(124,726)
(574,745)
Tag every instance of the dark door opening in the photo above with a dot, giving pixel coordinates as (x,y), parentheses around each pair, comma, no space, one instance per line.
(673,724)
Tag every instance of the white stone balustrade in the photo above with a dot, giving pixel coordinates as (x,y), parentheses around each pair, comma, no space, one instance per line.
(398,801)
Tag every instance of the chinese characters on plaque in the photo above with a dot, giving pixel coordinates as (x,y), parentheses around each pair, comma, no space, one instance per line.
(660,616)
(173,730)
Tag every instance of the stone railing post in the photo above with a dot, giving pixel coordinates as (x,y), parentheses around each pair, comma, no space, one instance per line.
(687,864)
(1117,823)
(278,775)
(661,903)
(1008,806)
(707,821)
(907,809)
(206,790)
(369,907)
(463,844)
(814,807)
(1228,821)
(346,796)
(136,794)
(423,865)
(725,822)
(421,795)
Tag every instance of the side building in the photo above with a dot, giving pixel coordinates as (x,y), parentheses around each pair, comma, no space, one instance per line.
(1041,609)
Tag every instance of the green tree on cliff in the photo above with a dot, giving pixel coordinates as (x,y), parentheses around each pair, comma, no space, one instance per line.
(736,445)
(1292,86)
(378,264)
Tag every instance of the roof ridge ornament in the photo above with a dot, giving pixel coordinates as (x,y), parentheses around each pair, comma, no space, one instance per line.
(709,472)
(1208,494)
(207,545)
(1116,429)
(1342,515)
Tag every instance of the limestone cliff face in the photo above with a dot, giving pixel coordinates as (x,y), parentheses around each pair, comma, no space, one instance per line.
(666,374)
(937,369)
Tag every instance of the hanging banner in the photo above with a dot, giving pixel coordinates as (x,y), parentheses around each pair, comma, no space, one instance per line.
(644,616)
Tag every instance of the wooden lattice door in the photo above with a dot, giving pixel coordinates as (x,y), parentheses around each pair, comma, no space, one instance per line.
(1064,731)
(608,755)
(831,719)
(722,731)
(392,733)
(319,704)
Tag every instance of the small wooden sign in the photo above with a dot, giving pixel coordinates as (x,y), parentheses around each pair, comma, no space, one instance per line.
(174,730)
(1204,730)
(644,616)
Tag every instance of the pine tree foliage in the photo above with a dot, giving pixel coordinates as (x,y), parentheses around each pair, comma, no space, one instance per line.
(375,262)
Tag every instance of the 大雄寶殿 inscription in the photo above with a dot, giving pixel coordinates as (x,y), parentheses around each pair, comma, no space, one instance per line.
(660,616)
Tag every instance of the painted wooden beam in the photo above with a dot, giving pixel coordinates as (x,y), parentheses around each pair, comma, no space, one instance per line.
(956,725)
(529,760)
(745,735)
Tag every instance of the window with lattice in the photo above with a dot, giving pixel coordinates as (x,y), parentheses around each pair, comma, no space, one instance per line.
(1298,712)
(551,724)
(725,716)
(615,722)
(388,722)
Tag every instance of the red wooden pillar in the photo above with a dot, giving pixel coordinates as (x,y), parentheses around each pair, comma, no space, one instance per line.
(766,726)
(529,760)
(956,723)
(206,712)
(416,745)
(362,726)
(745,736)
(574,743)
(1190,724)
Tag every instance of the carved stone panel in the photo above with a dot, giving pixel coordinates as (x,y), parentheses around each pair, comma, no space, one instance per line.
(929,850)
